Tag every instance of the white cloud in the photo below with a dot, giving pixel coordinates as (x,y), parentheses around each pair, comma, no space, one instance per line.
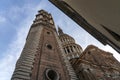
(12,53)
(2,19)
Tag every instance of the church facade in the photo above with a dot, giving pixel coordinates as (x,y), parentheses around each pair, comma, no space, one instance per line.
(96,64)
(52,55)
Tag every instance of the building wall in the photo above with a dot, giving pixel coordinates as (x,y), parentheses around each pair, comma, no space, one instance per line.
(96,64)
(25,62)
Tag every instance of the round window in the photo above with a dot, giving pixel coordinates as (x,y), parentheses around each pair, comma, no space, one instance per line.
(52,75)
(49,46)
(48,32)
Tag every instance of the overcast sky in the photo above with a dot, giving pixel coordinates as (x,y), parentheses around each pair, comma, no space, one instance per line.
(16,17)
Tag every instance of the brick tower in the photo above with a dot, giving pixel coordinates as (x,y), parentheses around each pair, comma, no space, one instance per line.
(42,57)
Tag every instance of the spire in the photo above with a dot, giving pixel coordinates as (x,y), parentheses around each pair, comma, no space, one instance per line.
(60,31)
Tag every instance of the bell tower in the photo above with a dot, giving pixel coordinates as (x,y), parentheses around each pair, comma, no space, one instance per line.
(41,58)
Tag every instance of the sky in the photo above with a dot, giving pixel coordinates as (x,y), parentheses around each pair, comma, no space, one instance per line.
(16,17)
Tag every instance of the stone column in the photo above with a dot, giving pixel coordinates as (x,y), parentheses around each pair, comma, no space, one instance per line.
(70,49)
(66,50)
(77,49)
(73,49)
